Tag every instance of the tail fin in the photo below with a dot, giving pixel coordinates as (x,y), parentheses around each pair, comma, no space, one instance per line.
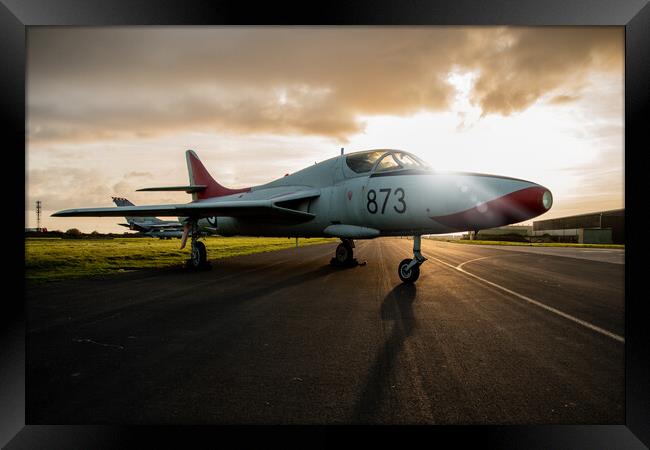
(121,201)
(199,175)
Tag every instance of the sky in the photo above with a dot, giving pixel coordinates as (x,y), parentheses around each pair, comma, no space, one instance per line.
(113,109)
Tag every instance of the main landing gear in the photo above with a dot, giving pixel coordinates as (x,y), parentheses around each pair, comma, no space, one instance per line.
(409,269)
(344,255)
(199,255)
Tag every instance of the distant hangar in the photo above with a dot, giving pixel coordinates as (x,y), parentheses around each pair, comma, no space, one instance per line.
(602,227)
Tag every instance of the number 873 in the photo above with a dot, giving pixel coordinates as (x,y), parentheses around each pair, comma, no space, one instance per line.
(398,196)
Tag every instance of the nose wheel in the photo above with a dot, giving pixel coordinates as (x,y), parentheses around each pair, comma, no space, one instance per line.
(409,269)
(408,273)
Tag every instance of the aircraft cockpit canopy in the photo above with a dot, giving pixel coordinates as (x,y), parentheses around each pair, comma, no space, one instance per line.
(383,161)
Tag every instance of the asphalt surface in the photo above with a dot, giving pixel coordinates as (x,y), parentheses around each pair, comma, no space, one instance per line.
(486,336)
(612,255)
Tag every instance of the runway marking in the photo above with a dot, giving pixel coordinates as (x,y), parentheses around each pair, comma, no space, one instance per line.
(459,266)
(90,341)
(585,324)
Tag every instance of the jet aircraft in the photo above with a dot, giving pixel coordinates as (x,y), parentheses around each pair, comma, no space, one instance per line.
(360,195)
(150,226)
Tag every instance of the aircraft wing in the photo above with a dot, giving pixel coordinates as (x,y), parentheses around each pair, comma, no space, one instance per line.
(161,226)
(275,208)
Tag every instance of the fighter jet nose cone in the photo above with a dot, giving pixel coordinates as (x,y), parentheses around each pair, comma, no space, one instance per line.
(531,201)
(547,200)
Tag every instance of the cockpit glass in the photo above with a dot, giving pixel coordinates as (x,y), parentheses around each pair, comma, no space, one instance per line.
(387,163)
(363,162)
(407,161)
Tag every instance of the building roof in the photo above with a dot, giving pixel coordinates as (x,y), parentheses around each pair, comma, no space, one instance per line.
(610,212)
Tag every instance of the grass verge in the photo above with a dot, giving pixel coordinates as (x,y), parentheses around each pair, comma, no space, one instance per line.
(61,259)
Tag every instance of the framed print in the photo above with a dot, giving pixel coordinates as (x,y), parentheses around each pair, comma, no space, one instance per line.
(458,184)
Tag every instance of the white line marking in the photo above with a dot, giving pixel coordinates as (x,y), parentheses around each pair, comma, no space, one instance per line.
(592,327)
(459,266)
(90,341)
(471,260)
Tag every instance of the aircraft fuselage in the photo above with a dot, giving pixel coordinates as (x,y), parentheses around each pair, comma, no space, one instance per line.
(402,202)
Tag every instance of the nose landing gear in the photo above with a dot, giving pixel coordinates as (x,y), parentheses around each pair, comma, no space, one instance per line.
(409,269)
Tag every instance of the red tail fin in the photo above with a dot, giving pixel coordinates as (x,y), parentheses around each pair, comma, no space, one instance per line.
(199,175)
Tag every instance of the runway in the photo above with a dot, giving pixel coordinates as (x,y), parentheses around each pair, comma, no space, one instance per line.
(487,335)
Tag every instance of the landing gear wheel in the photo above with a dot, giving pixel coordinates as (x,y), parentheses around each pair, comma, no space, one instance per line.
(408,275)
(199,255)
(344,253)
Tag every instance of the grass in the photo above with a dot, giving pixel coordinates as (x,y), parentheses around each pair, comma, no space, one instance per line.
(534,244)
(52,259)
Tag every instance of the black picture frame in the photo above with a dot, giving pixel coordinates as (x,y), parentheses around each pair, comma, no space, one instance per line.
(634,15)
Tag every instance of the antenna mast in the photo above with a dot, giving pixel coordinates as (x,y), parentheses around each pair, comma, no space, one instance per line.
(38,215)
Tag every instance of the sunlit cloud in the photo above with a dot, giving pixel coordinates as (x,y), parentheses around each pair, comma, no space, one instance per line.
(98,84)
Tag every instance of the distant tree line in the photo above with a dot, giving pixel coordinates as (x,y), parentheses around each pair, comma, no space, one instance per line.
(75,233)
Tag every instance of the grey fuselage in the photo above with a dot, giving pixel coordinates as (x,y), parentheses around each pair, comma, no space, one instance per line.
(411,201)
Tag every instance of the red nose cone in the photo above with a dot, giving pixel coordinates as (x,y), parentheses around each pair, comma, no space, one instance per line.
(511,208)
(524,204)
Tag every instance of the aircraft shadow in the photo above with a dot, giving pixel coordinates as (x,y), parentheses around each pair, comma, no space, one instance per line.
(396,308)
(281,283)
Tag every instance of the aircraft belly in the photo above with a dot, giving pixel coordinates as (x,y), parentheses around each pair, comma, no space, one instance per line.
(309,229)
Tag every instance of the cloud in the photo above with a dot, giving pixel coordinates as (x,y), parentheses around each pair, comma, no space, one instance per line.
(60,187)
(562,99)
(139,174)
(90,84)
(524,64)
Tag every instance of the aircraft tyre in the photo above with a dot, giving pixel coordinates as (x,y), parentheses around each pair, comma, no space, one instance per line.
(199,255)
(344,253)
(406,275)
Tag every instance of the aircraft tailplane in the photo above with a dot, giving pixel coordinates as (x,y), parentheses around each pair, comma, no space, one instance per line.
(199,175)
